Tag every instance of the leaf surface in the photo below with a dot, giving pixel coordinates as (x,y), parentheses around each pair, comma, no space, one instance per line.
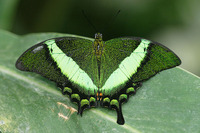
(168,102)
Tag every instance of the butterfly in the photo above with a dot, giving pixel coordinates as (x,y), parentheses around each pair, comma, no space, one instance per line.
(97,73)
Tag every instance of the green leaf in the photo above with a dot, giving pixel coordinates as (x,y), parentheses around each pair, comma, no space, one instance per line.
(168,102)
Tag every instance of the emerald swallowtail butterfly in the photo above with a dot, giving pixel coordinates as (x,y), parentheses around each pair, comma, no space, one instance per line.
(97,73)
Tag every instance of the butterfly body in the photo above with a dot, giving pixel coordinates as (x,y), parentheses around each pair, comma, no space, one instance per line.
(98,73)
(98,46)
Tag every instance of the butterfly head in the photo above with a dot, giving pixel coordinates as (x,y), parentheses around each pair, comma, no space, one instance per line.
(98,36)
(98,45)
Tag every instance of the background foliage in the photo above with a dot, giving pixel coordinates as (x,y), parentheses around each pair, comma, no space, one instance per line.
(174,23)
(168,102)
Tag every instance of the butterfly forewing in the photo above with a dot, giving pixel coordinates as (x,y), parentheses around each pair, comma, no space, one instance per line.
(132,59)
(158,58)
(63,60)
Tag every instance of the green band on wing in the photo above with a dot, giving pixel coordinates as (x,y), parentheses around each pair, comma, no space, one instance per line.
(127,67)
(70,68)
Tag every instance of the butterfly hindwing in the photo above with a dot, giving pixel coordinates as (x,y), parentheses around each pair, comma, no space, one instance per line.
(83,70)
(115,51)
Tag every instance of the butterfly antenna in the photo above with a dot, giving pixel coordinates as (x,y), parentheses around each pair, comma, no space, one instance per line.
(112,20)
(89,21)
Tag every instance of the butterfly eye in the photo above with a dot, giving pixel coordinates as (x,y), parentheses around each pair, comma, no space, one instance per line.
(96,35)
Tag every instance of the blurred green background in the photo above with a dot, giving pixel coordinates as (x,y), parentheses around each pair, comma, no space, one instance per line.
(174,23)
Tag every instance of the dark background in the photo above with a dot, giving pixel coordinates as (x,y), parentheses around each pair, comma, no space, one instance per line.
(174,23)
